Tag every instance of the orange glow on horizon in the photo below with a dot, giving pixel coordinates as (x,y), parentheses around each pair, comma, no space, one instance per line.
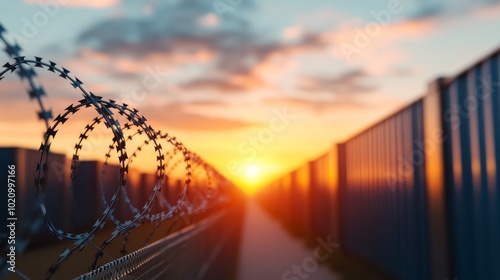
(252,179)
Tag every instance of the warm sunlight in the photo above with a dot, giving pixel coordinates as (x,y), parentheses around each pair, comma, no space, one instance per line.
(251,178)
(250,139)
(252,172)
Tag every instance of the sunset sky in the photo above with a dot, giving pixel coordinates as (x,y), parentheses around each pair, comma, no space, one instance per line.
(255,87)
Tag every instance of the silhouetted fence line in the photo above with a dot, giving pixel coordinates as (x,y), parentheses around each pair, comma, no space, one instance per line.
(94,204)
(417,194)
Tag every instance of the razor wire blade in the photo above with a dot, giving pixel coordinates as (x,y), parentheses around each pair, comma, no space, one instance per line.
(203,187)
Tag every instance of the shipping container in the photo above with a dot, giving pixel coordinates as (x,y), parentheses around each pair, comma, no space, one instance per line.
(93,186)
(130,201)
(172,190)
(148,182)
(85,196)
(54,196)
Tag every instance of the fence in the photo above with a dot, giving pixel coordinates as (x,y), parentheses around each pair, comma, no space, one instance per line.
(97,211)
(471,103)
(204,250)
(417,193)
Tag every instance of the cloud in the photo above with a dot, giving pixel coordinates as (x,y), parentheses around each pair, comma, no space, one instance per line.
(402,71)
(378,48)
(346,92)
(232,57)
(292,32)
(210,20)
(449,8)
(220,85)
(315,105)
(175,116)
(186,28)
(380,51)
(347,83)
(171,26)
(94,4)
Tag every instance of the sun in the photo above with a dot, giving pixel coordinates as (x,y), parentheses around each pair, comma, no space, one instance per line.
(252,172)
(250,177)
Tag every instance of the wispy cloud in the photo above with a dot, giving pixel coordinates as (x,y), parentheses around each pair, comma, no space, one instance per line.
(175,116)
(348,83)
(185,29)
(94,4)
(442,9)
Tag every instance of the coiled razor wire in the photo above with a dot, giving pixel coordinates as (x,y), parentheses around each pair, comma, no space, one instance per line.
(203,187)
(157,258)
(25,73)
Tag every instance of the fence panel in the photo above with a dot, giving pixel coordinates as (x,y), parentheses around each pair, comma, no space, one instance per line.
(471,117)
(384,215)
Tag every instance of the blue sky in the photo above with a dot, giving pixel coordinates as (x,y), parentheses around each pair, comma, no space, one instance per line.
(222,74)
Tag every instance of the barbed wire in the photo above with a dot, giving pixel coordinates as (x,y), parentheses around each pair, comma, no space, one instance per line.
(35,90)
(203,188)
